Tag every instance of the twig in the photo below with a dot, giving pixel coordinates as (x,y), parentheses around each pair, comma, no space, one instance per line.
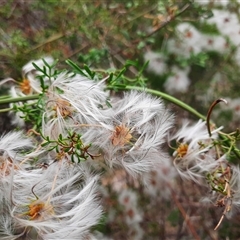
(210,111)
(164,23)
(157,29)
(184,214)
(140,15)
(48,40)
(226,210)
(78,50)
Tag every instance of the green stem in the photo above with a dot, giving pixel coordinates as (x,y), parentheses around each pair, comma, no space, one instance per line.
(5,110)
(166,97)
(5,96)
(19,99)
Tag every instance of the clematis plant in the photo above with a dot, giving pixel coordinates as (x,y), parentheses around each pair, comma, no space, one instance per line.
(79,129)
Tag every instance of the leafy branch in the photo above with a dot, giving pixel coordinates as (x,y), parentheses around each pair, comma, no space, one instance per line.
(71,146)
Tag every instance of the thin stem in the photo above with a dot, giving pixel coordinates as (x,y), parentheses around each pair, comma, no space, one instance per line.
(184,214)
(5,96)
(168,20)
(19,99)
(5,110)
(168,98)
(48,40)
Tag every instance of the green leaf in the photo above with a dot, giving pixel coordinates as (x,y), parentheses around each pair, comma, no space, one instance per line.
(108,103)
(141,45)
(44,144)
(60,137)
(66,149)
(37,67)
(72,158)
(50,149)
(76,68)
(110,77)
(120,74)
(46,63)
(59,90)
(78,146)
(45,70)
(91,74)
(129,63)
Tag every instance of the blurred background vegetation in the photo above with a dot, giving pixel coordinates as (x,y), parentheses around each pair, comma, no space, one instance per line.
(104,34)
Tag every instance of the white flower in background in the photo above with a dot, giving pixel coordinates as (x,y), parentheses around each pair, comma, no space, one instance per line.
(223,19)
(98,235)
(188,42)
(191,41)
(156,62)
(215,2)
(157,183)
(136,231)
(179,47)
(133,215)
(214,43)
(227,24)
(133,136)
(127,198)
(189,33)
(178,82)
(176,47)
